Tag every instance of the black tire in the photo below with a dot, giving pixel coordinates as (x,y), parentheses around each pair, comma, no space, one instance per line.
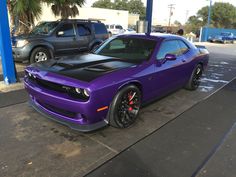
(39,54)
(125,107)
(194,80)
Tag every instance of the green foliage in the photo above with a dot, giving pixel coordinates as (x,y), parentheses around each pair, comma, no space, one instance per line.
(65,8)
(133,6)
(107,4)
(137,7)
(177,23)
(223,15)
(26,11)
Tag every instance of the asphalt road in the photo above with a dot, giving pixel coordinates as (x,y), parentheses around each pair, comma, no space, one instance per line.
(32,145)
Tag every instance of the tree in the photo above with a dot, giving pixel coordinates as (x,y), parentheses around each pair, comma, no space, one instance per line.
(65,8)
(121,5)
(133,6)
(177,23)
(137,7)
(193,24)
(26,12)
(223,15)
(107,4)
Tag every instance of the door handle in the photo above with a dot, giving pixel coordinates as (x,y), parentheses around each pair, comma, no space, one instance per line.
(183,60)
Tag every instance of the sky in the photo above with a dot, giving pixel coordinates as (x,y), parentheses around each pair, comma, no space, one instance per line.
(183,9)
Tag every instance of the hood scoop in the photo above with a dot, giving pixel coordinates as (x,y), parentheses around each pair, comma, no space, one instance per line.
(99,68)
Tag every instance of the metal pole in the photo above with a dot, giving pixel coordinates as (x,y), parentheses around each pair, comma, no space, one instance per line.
(209,14)
(208,21)
(149,15)
(8,67)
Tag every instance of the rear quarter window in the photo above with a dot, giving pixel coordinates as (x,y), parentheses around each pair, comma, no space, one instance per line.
(100,28)
(183,47)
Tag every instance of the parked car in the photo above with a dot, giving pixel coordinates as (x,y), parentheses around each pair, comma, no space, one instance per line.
(129,31)
(223,38)
(114,29)
(56,38)
(90,91)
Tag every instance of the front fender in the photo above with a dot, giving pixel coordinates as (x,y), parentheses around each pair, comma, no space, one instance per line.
(42,43)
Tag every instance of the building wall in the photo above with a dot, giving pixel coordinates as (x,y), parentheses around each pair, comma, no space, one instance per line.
(206,32)
(133,18)
(107,16)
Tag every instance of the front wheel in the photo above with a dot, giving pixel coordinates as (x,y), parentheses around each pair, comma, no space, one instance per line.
(39,54)
(125,107)
(194,80)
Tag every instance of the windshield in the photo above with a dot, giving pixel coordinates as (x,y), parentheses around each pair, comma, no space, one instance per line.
(132,49)
(44,28)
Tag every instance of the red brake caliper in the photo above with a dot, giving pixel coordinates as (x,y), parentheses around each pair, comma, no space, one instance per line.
(130,102)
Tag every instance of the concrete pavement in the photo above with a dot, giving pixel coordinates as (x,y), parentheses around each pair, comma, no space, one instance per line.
(32,145)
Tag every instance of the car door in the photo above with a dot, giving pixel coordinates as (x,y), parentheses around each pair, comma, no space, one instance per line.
(169,75)
(84,36)
(65,41)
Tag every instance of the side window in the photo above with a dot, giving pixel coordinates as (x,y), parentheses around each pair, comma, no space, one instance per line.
(100,28)
(119,27)
(112,26)
(168,47)
(183,47)
(83,30)
(117,44)
(66,30)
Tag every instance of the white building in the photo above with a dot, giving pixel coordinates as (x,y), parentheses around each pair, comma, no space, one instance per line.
(107,16)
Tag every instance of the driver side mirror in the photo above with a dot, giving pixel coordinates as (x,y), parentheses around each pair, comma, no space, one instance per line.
(60,33)
(170,57)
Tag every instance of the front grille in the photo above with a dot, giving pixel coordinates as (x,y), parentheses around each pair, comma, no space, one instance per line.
(58,110)
(70,91)
(48,85)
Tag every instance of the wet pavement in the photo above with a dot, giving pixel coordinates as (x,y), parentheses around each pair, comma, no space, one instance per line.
(183,146)
(32,145)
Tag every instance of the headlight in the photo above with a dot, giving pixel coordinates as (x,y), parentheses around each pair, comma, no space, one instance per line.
(21,43)
(86,92)
(81,93)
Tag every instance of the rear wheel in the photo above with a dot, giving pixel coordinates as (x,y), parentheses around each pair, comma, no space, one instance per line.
(194,80)
(125,107)
(39,54)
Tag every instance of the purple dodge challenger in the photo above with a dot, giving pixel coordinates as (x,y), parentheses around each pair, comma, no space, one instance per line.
(109,86)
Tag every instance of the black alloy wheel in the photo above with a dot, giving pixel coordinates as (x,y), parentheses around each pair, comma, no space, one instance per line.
(195,79)
(125,107)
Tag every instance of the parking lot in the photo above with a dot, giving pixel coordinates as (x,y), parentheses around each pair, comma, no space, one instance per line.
(36,146)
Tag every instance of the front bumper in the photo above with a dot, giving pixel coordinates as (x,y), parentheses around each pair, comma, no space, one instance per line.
(74,126)
(21,54)
(75,114)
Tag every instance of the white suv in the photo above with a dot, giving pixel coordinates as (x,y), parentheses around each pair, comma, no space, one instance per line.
(115,29)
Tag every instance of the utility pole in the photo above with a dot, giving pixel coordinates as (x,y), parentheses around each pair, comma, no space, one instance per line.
(208,22)
(186,18)
(209,15)
(171,7)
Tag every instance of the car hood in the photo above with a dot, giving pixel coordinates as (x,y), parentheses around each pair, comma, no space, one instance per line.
(84,67)
(28,37)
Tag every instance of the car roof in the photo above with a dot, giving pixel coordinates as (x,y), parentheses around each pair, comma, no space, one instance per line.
(154,36)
